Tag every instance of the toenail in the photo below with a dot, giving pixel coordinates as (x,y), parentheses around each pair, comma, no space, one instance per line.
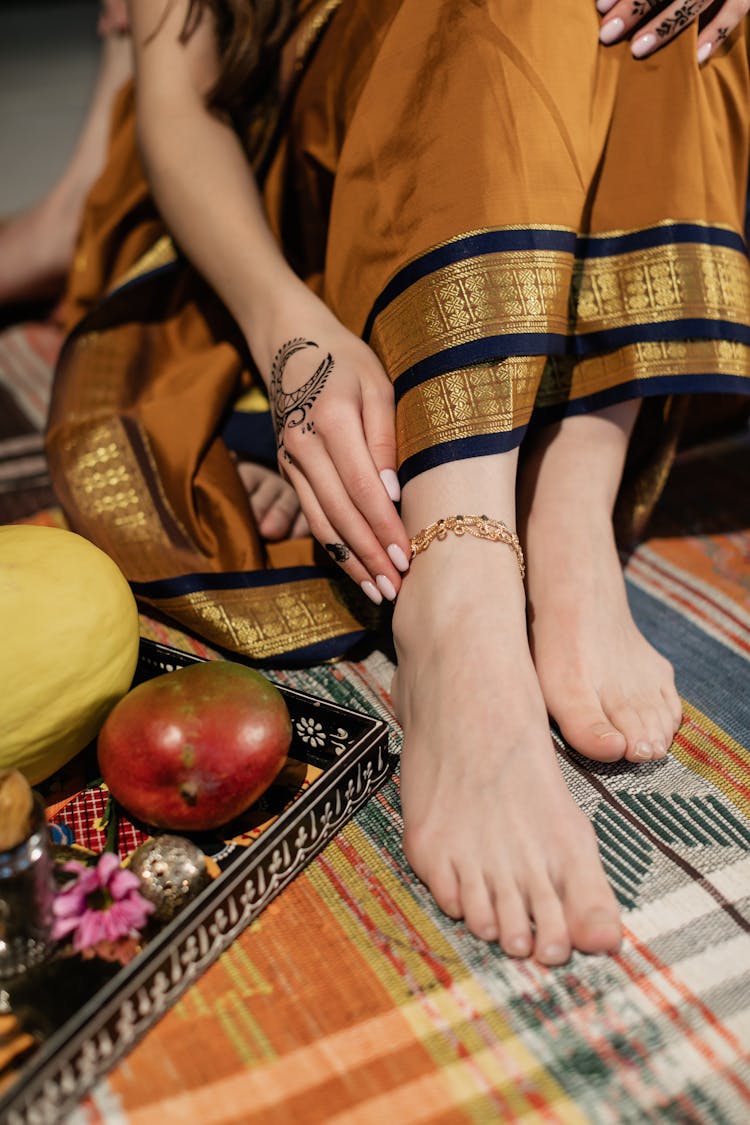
(518,947)
(643,751)
(554,954)
(660,750)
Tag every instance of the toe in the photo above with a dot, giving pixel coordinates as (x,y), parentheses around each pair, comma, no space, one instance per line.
(279,517)
(515,936)
(446,891)
(641,729)
(673,704)
(588,730)
(552,941)
(592,914)
(300,527)
(436,871)
(478,907)
(591,911)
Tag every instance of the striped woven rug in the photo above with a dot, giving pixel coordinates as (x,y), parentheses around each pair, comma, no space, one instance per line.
(354,1000)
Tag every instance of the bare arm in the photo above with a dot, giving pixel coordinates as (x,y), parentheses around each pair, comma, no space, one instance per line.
(197,168)
(332,401)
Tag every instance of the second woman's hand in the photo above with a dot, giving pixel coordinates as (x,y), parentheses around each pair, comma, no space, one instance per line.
(334,417)
(621,18)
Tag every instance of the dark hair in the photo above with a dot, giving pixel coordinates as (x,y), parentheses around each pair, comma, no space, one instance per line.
(250,36)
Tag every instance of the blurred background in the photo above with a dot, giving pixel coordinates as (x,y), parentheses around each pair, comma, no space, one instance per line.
(48,58)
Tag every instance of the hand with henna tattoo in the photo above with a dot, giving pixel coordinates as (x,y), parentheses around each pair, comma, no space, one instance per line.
(334,418)
(652,23)
(332,401)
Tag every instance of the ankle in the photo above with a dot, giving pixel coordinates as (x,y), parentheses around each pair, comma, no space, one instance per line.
(459,586)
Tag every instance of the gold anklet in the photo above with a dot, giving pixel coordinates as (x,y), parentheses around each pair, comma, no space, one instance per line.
(481,527)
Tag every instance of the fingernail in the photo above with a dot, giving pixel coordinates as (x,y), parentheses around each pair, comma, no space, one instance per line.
(611,31)
(643,45)
(643,751)
(386,587)
(604,6)
(372,592)
(397,557)
(554,954)
(392,487)
(704,52)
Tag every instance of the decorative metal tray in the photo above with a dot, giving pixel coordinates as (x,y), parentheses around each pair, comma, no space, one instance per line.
(87,1014)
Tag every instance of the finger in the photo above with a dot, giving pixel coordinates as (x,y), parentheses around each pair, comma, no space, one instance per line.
(322,530)
(337,465)
(718,30)
(378,421)
(351,527)
(352,455)
(622,18)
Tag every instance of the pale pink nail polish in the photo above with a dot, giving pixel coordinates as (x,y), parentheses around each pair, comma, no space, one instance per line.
(643,45)
(604,6)
(704,52)
(392,487)
(372,592)
(397,557)
(386,587)
(611,31)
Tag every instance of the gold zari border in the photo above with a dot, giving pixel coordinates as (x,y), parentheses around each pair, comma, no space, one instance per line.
(549,292)
(264,621)
(490,295)
(484,399)
(565,380)
(663,283)
(160,254)
(501,397)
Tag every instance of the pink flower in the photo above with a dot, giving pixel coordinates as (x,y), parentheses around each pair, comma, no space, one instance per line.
(103,903)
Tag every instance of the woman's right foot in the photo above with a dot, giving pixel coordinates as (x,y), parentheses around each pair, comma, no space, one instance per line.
(490,825)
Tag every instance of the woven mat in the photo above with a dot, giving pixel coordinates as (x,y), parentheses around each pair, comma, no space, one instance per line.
(354,1000)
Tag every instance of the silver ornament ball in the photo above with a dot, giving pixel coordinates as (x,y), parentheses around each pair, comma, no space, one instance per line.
(172,871)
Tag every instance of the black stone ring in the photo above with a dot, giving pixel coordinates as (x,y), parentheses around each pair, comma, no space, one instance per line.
(339,552)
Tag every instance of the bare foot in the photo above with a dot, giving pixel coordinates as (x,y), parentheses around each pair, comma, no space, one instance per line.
(611,694)
(490,826)
(273,501)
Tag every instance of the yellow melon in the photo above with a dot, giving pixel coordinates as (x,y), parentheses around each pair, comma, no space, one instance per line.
(68,646)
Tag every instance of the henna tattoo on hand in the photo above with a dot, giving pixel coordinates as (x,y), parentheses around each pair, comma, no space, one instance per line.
(292,409)
(643,7)
(339,552)
(722,34)
(681,18)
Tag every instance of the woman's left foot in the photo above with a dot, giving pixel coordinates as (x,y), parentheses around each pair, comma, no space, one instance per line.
(273,502)
(610,692)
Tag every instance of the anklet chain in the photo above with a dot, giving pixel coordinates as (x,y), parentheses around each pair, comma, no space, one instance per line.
(481,527)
